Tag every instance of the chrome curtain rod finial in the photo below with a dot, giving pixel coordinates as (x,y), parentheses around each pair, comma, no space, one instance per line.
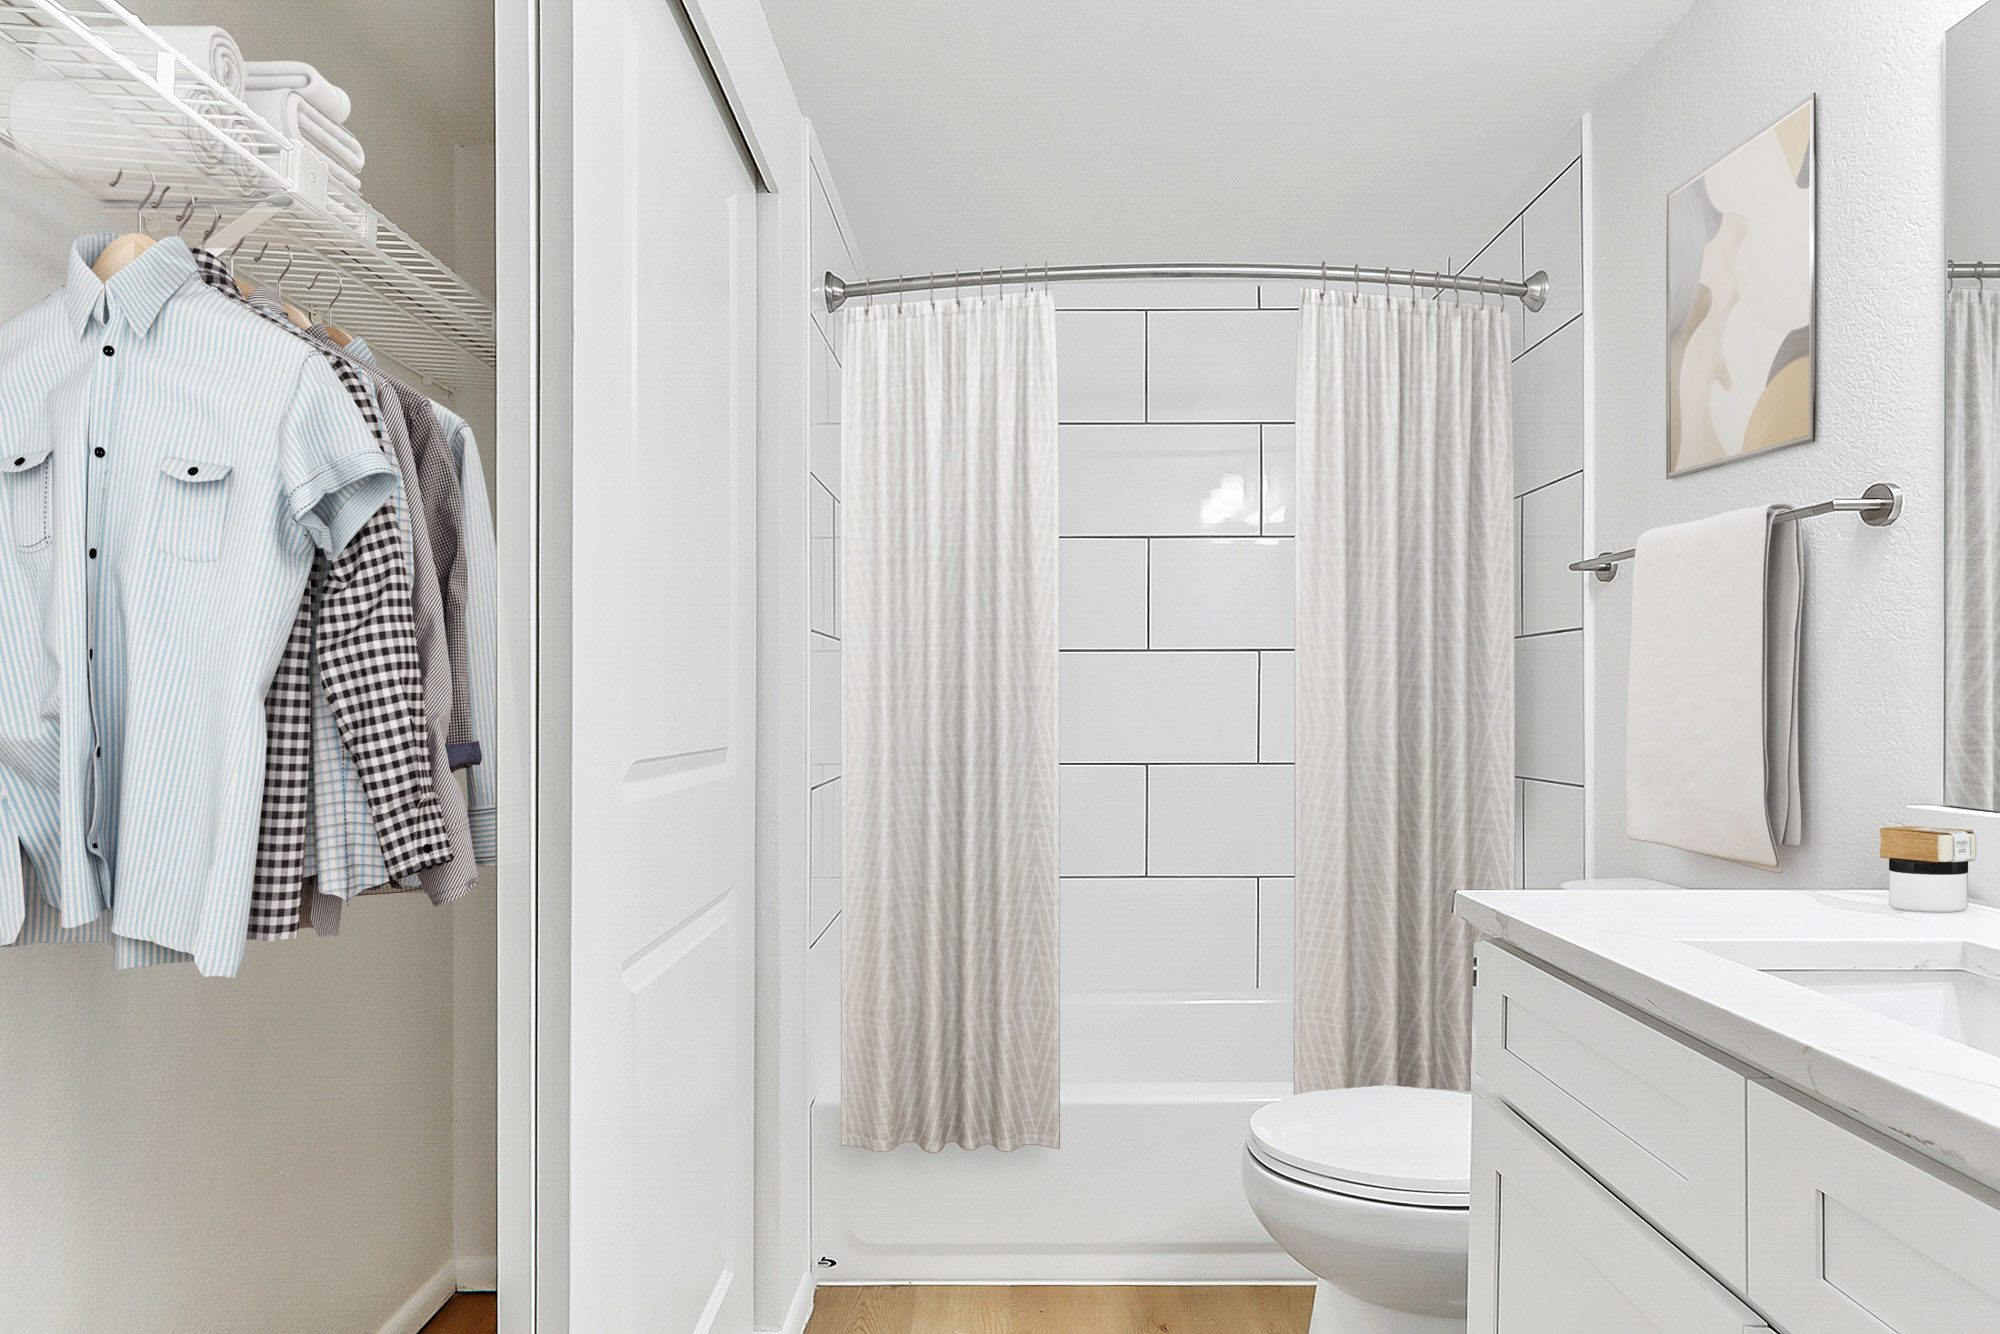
(1879,506)
(1532,293)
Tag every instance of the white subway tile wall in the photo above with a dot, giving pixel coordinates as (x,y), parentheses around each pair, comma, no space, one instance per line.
(1221,366)
(1159,481)
(1159,934)
(1103,818)
(1547,234)
(830,252)
(1103,582)
(1177,626)
(1221,592)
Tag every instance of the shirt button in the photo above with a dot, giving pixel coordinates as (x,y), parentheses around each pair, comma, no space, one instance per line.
(109,350)
(99,451)
(93,553)
(193,471)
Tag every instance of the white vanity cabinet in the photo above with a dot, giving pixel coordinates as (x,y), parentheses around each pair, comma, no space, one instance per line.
(1626,1178)
(1553,1252)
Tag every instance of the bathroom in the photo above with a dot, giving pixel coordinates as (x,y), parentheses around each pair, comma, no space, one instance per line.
(1286,670)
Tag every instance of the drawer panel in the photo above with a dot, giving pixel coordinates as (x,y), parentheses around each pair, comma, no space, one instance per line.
(1551,1250)
(1850,1235)
(1654,1119)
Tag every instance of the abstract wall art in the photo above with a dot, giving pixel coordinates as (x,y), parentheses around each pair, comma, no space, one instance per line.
(1740,301)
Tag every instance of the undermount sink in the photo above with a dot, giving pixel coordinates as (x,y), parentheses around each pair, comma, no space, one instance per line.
(1949,989)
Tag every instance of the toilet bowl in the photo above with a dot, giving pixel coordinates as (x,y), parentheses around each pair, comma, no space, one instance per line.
(1370,1190)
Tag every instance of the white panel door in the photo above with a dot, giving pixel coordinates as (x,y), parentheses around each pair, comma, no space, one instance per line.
(663,612)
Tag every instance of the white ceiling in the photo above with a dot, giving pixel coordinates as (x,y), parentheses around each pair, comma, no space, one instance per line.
(1278,131)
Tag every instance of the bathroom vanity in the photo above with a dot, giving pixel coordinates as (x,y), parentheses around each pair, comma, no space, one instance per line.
(1705,1111)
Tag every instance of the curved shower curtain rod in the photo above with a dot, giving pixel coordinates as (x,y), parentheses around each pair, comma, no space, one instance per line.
(1534,293)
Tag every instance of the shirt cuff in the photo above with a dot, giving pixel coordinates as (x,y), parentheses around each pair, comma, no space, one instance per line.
(464,754)
(485,821)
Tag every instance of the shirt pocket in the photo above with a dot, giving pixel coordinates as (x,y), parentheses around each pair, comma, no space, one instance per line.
(194,506)
(25,476)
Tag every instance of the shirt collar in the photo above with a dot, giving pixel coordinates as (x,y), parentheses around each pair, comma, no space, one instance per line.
(136,293)
(357,347)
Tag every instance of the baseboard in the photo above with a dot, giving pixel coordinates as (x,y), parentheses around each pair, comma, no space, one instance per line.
(802,1307)
(479,1273)
(425,1302)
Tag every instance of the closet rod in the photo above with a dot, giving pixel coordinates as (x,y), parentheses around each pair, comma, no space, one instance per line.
(1534,293)
(1879,506)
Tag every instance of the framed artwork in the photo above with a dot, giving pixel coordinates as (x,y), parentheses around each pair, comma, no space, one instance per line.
(1741,303)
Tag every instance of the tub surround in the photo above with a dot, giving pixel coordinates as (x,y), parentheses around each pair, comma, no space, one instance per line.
(1691,958)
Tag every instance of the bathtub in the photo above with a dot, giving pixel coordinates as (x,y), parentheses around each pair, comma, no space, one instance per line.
(1157,1092)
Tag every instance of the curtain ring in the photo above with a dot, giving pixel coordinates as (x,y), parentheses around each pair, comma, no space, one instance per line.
(1322,279)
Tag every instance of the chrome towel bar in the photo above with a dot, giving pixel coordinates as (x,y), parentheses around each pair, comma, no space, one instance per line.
(1879,506)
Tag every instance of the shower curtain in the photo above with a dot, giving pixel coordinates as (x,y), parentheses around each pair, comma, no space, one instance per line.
(1405,678)
(948,731)
(1972,551)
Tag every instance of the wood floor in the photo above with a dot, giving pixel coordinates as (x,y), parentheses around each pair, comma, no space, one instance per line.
(924,1309)
(469,1313)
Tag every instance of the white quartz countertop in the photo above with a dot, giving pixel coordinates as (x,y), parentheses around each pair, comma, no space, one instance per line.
(1691,959)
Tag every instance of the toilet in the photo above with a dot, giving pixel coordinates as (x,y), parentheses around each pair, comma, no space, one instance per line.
(1370,1189)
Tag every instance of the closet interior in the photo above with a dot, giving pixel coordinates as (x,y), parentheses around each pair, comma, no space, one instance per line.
(291,1127)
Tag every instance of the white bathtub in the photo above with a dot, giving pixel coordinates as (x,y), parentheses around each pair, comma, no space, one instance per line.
(1157,1092)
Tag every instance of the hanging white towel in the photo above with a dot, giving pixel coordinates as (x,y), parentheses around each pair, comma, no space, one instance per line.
(297,118)
(295,76)
(1712,709)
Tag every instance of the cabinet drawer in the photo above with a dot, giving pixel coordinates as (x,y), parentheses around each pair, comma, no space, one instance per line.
(1655,1120)
(1849,1235)
(1551,1250)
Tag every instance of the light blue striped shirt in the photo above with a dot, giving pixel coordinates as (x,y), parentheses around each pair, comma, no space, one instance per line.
(168,462)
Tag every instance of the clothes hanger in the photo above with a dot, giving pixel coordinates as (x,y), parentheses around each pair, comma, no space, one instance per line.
(292,312)
(339,336)
(124,249)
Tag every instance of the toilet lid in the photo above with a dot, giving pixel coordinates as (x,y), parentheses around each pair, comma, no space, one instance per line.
(1399,1138)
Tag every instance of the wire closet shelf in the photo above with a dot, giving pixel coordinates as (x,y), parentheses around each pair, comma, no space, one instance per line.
(90,94)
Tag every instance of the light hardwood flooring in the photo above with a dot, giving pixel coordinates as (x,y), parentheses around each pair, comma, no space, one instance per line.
(467,1313)
(926,1309)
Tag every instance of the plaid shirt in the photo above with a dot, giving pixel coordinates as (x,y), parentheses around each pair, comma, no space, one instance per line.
(356,620)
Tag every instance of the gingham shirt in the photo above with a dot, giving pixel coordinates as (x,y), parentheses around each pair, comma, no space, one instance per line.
(345,857)
(344,860)
(354,632)
(169,462)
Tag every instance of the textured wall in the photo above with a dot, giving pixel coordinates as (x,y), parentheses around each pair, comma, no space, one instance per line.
(1873,658)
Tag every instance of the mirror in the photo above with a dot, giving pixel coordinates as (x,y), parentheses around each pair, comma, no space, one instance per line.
(1972,412)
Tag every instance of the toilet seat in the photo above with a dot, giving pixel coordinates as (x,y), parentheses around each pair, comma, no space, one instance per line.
(1393,1145)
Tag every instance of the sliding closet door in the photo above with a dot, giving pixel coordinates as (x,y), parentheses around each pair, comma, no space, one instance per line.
(662,699)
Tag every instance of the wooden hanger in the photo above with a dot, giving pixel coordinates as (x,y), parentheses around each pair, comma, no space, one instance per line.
(338,335)
(124,249)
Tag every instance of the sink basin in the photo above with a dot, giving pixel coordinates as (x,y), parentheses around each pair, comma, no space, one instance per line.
(1949,988)
(1954,1003)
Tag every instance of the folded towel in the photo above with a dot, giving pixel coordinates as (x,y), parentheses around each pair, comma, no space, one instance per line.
(295,76)
(297,119)
(1712,705)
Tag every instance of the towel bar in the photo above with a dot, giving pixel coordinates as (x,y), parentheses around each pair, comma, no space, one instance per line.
(1879,506)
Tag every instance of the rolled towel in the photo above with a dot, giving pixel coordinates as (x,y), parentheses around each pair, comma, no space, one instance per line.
(212,49)
(296,118)
(295,76)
